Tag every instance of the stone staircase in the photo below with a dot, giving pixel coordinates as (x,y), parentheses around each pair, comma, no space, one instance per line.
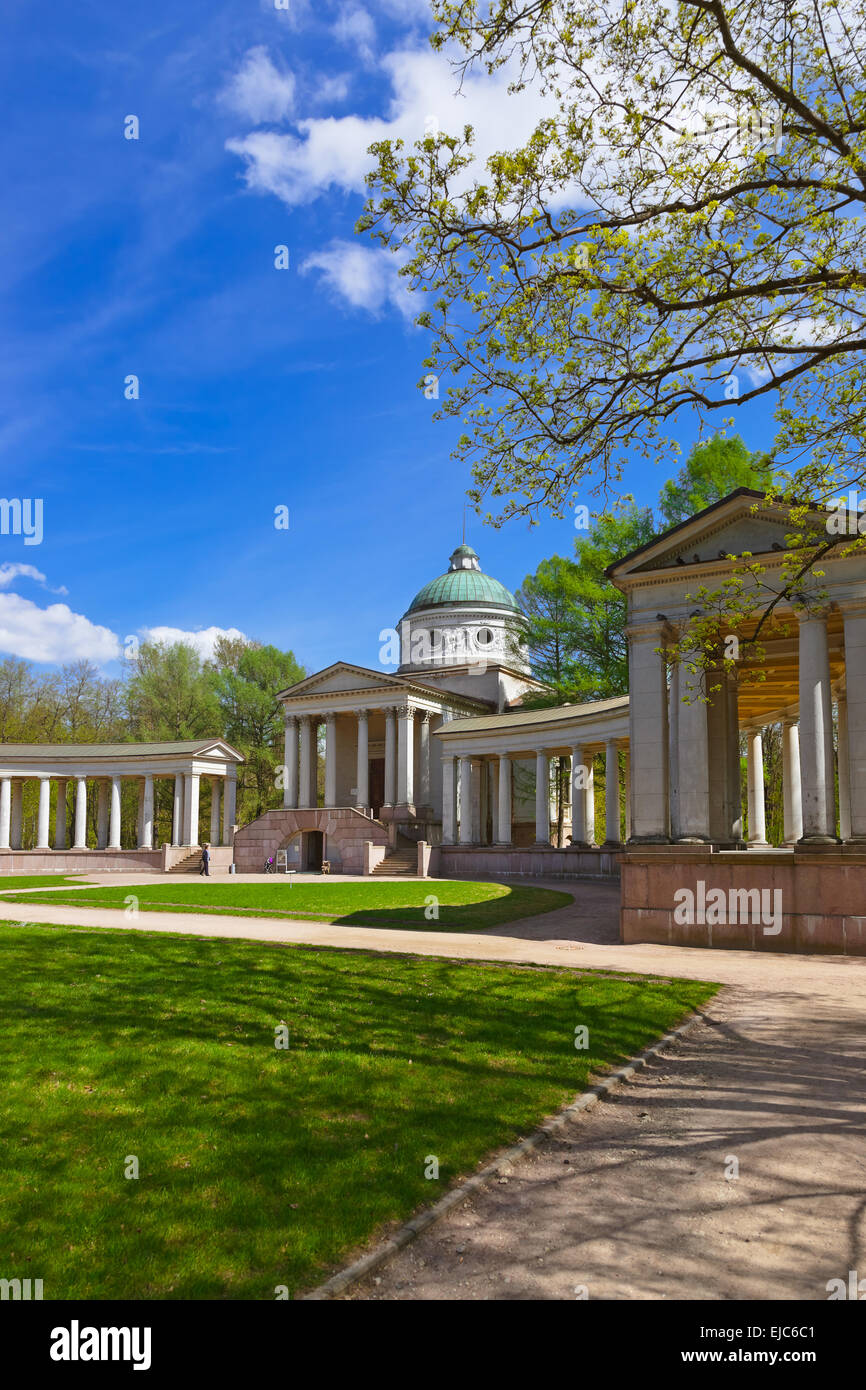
(191,863)
(402,861)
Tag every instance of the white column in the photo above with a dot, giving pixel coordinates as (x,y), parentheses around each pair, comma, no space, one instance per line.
(493,795)
(855,686)
(81,812)
(60,814)
(612,834)
(449,800)
(190,808)
(146,827)
(424,760)
(102,813)
(216,788)
(315,721)
(362,771)
(648,734)
(589,797)
(817,771)
(390,757)
(542,797)
(627,795)
(503,824)
(406,758)
(307,760)
(331,759)
(843,764)
(5,813)
(114,815)
(693,761)
(475,800)
(578,797)
(290,785)
(230,805)
(674,699)
(755,777)
(466,801)
(42,820)
(791,796)
(17,814)
(177,811)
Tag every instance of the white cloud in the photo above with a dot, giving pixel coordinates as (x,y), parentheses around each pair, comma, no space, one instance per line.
(331,152)
(365,278)
(10,570)
(54,634)
(258,90)
(203,641)
(355,28)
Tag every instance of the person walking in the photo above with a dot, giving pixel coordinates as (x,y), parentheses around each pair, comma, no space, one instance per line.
(205,862)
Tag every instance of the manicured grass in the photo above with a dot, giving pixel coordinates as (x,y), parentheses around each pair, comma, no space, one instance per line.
(459,906)
(261,1167)
(8,881)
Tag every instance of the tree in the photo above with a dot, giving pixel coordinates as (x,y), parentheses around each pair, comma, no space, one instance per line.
(170,695)
(713,469)
(682,230)
(246,688)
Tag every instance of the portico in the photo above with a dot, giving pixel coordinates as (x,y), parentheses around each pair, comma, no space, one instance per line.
(689,729)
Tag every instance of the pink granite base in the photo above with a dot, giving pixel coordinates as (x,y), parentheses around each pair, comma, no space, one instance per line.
(814,901)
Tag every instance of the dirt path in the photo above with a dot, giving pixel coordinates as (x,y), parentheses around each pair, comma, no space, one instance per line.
(635,1204)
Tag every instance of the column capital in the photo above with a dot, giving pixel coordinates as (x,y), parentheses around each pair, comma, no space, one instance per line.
(290,719)
(362,714)
(813,615)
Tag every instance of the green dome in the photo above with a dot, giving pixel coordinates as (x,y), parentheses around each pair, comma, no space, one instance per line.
(464,583)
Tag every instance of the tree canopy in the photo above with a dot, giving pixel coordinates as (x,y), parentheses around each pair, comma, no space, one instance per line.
(683,231)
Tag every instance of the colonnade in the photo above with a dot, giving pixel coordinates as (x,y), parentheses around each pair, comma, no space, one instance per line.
(185,811)
(686,758)
(468,783)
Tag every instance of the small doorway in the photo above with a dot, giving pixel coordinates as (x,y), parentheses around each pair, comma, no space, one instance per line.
(377,784)
(313,850)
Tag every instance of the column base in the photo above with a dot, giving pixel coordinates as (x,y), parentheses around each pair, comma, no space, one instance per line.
(692,840)
(639,840)
(612,844)
(819,840)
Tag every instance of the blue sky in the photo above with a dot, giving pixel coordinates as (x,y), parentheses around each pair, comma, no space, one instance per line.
(258,387)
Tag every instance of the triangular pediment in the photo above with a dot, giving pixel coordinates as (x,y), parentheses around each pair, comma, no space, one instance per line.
(754,534)
(342,677)
(739,524)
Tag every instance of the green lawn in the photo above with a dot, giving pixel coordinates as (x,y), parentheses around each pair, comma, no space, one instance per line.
(8,881)
(461,906)
(258,1167)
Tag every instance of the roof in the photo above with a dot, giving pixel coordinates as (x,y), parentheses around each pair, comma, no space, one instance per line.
(517,719)
(467,586)
(115,750)
(682,525)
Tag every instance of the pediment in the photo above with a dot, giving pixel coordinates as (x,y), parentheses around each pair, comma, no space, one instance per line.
(742,522)
(755,534)
(342,677)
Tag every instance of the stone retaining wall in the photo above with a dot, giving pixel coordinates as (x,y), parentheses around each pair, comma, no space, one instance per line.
(535,862)
(804,900)
(345,831)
